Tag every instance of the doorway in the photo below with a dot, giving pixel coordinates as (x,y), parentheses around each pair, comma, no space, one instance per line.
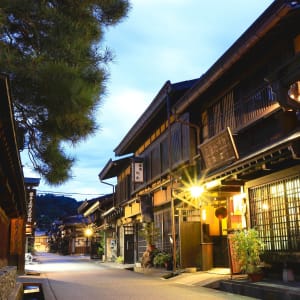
(129,244)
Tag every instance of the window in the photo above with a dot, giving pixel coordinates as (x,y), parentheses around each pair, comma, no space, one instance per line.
(256,104)
(123,189)
(157,155)
(233,112)
(294,91)
(275,211)
(176,150)
(164,155)
(155,161)
(221,114)
(163,222)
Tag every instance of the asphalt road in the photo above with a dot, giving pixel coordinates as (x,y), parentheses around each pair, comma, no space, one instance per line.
(72,278)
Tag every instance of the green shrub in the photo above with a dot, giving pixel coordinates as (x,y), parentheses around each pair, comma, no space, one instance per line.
(120,260)
(161,259)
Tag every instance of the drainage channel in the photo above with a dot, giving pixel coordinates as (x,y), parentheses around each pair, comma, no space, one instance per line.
(33,291)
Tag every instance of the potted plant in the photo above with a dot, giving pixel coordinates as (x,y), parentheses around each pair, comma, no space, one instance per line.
(100,251)
(163,259)
(248,247)
(120,260)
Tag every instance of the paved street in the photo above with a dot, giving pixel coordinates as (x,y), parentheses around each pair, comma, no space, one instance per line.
(73,277)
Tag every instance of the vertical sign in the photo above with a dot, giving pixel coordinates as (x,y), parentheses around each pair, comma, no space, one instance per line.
(16,236)
(138,172)
(30,206)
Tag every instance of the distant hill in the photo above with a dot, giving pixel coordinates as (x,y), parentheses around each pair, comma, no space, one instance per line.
(51,207)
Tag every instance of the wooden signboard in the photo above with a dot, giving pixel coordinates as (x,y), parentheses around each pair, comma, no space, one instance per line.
(219,150)
(17,234)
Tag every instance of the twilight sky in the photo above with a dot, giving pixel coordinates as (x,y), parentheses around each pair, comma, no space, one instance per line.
(160,40)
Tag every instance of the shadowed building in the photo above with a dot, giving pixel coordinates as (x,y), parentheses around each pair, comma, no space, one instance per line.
(12,196)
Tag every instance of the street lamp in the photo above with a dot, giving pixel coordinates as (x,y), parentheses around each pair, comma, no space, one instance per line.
(193,194)
(196,191)
(88,232)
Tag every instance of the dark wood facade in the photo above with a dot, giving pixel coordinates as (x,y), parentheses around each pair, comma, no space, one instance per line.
(253,91)
(144,176)
(101,216)
(235,131)
(12,189)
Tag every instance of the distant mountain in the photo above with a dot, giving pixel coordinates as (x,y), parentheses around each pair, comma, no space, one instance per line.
(49,208)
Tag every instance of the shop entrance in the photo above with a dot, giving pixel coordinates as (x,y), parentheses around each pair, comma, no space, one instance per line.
(129,244)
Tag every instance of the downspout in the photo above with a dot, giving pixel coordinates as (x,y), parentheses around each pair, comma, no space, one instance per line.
(195,127)
(113,186)
(104,237)
(173,224)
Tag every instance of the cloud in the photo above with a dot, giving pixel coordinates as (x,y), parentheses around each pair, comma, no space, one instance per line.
(121,111)
(172,40)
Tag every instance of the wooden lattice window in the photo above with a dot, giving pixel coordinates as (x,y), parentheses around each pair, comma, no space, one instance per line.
(275,212)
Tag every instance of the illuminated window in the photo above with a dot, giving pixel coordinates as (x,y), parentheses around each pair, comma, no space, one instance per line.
(294,91)
(275,211)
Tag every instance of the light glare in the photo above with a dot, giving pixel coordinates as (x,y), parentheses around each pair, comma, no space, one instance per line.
(196,191)
(88,232)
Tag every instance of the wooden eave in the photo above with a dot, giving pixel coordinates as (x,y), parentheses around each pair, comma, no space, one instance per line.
(101,202)
(74,221)
(114,167)
(267,160)
(11,169)
(153,117)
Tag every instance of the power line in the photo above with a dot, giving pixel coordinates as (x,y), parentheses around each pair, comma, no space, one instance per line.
(67,193)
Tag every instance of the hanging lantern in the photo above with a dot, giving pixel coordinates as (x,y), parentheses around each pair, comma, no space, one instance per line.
(221,212)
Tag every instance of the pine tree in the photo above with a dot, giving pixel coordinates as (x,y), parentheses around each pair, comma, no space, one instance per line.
(53,53)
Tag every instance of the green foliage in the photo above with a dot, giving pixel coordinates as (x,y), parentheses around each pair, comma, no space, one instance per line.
(248,247)
(100,250)
(120,260)
(58,69)
(161,258)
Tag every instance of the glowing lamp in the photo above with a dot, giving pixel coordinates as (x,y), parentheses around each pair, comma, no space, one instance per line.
(196,191)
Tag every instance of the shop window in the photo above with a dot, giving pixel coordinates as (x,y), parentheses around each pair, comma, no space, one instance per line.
(275,211)
(163,222)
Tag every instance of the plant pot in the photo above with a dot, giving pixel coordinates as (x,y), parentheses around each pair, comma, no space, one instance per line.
(169,266)
(150,247)
(254,277)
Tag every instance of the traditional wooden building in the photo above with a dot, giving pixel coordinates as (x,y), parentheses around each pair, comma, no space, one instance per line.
(100,215)
(235,133)
(12,196)
(67,236)
(247,108)
(143,190)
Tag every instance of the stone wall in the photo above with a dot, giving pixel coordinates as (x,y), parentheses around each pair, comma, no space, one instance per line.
(8,276)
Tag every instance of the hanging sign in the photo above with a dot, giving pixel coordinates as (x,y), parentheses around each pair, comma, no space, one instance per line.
(219,150)
(138,172)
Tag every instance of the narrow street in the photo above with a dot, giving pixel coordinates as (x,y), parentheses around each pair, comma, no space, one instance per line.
(77,277)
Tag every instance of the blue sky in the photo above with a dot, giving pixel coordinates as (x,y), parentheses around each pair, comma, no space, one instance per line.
(160,40)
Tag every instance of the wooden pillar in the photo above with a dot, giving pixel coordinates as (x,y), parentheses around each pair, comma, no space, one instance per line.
(297,44)
(4,241)
(17,244)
